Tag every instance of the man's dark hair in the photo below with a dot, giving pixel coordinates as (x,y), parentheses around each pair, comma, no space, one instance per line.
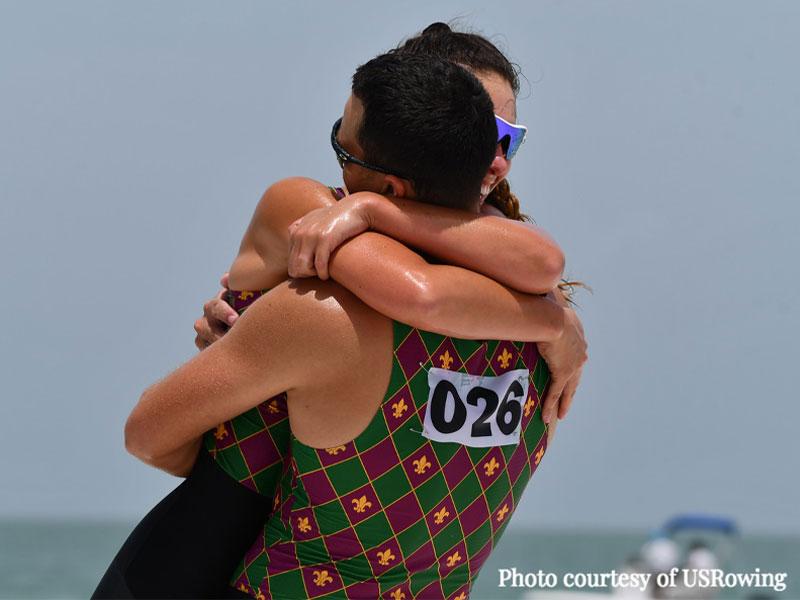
(430,119)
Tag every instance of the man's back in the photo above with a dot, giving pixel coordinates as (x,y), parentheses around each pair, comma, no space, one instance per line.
(368,502)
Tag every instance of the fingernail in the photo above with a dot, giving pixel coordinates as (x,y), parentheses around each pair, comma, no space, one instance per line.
(231,319)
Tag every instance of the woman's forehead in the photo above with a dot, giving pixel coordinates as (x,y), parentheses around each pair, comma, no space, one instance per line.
(499,90)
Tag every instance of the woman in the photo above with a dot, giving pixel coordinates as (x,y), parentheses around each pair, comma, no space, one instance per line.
(209,506)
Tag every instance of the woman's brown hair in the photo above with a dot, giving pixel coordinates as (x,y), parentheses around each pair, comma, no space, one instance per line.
(475,52)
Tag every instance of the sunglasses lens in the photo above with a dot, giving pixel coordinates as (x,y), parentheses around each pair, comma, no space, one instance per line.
(509,136)
(505,144)
(513,146)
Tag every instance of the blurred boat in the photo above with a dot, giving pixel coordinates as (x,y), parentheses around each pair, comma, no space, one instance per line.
(685,541)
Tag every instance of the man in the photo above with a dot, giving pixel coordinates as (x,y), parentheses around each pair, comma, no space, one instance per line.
(335,358)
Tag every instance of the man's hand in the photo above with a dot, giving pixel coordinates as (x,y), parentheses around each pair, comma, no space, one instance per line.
(565,358)
(218,316)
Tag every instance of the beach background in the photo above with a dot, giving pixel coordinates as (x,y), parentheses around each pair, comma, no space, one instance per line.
(65,559)
(664,141)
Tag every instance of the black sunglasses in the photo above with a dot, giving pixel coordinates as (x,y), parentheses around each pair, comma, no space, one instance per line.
(344,157)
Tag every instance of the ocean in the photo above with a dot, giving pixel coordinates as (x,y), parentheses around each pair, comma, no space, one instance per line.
(65,559)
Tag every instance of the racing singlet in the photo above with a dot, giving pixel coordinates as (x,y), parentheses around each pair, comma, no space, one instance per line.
(251,447)
(413,506)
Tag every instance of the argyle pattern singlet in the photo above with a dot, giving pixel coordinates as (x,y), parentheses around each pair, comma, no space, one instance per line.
(251,447)
(393,514)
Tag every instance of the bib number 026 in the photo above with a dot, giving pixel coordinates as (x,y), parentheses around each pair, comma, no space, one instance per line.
(475,410)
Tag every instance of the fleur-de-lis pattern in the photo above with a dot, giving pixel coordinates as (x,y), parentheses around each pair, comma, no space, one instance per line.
(529,404)
(398,408)
(421,465)
(502,513)
(372,497)
(440,516)
(221,433)
(454,559)
(504,358)
(446,359)
(321,578)
(491,466)
(361,504)
(303,524)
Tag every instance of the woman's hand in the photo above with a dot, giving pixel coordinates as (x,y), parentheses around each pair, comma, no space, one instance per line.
(565,358)
(218,317)
(313,237)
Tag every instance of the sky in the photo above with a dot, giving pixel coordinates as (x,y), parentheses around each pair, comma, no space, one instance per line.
(136,138)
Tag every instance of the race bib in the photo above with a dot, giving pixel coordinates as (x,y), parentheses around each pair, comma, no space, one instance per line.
(475,410)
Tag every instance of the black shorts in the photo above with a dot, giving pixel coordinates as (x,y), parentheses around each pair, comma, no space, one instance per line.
(189,545)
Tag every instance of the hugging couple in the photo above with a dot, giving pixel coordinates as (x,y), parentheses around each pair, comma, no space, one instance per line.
(384,369)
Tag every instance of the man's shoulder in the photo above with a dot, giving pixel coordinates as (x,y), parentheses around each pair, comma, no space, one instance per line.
(319,310)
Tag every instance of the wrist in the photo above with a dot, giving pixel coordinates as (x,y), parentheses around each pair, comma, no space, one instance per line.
(365,205)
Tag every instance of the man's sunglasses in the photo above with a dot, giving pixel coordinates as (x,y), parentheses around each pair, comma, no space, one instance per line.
(344,157)
(510,136)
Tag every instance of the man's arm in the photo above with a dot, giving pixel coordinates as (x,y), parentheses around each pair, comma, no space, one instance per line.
(257,359)
(400,284)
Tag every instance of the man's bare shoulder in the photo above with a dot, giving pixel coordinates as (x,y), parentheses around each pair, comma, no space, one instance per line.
(320,315)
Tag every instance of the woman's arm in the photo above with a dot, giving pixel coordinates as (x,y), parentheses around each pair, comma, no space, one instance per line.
(263,253)
(516,254)
(397,282)
(519,255)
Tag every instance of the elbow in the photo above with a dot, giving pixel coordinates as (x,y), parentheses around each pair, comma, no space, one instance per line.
(140,443)
(135,441)
(426,303)
(554,267)
(548,271)
(139,440)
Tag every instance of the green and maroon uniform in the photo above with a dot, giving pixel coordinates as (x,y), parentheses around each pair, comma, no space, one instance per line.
(251,447)
(394,514)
